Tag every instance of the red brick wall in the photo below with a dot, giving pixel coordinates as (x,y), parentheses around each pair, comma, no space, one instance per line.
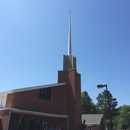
(4,114)
(29,100)
(96,127)
(103,124)
(73,84)
(9,100)
(1,126)
(78,101)
(54,122)
(64,99)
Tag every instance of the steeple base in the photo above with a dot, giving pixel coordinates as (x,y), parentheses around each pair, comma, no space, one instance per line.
(69,62)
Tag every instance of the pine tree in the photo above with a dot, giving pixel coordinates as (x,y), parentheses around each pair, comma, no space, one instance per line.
(32,125)
(22,123)
(88,107)
(103,105)
(39,125)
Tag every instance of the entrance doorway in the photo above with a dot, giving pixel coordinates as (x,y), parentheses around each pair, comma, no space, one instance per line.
(45,126)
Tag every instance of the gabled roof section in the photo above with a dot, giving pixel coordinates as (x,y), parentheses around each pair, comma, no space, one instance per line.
(32,88)
(92,118)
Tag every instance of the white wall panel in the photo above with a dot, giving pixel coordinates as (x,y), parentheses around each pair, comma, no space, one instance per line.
(3,101)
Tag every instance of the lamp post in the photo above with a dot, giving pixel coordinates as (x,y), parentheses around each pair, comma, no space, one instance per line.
(101,86)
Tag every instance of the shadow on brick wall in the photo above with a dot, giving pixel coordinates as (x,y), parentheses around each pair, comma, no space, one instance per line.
(1,128)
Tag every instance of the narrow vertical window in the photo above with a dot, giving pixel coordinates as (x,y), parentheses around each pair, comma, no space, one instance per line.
(49,94)
(40,93)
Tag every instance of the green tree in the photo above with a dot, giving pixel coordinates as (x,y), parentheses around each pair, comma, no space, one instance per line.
(32,125)
(124,118)
(88,107)
(39,125)
(22,123)
(104,108)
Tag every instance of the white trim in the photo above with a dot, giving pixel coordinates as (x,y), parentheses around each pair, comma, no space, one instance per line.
(89,124)
(68,123)
(32,88)
(92,123)
(8,119)
(3,101)
(14,110)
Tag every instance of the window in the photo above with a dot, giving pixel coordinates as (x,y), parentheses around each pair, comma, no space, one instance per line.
(45,126)
(89,128)
(45,93)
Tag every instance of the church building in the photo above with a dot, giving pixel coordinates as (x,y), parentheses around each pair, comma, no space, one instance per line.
(56,105)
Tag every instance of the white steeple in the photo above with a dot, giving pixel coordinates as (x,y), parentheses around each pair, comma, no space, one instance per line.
(69,61)
(69,36)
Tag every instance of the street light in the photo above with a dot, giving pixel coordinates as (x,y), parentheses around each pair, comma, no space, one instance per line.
(101,86)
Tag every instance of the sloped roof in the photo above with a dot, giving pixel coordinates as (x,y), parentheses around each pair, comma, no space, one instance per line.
(32,88)
(92,118)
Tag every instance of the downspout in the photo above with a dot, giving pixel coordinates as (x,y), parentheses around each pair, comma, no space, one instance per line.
(68,123)
(8,120)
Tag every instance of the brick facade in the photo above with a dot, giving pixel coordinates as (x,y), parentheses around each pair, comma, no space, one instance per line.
(73,85)
(55,122)
(4,114)
(65,100)
(101,126)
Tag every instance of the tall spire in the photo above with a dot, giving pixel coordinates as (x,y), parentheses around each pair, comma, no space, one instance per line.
(69,35)
(69,61)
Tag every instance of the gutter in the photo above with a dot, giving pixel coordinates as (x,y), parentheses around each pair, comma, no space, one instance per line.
(14,110)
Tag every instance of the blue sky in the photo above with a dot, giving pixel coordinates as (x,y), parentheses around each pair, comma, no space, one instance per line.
(34,35)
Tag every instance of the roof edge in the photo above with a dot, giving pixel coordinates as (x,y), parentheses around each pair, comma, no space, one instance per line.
(32,88)
(15,110)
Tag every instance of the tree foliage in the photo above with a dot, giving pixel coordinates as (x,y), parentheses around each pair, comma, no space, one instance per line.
(39,125)
(123,119)
(32,125)
(103,105)
(83,126)
(120,116)
(22,123)
(88,107)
